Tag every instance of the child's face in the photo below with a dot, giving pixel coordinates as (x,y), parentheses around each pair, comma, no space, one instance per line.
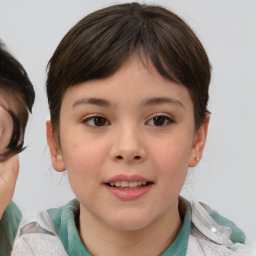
(132,127)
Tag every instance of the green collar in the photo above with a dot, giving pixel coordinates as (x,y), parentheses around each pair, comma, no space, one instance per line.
(63,219)
(8,228)
(180,245)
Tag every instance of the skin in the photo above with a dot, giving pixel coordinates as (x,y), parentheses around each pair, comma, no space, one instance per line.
(6,127)
(130,142)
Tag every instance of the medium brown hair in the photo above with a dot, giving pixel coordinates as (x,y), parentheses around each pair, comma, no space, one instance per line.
(102,41)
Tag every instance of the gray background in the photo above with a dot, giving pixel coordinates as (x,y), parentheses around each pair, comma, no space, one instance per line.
(226,177)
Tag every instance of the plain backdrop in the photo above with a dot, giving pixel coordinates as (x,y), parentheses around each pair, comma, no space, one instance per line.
(226,177)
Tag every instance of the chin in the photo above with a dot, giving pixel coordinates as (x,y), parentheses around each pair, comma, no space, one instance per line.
(130,224)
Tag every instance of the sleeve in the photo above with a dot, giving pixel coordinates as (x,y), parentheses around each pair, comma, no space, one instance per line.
(8,228)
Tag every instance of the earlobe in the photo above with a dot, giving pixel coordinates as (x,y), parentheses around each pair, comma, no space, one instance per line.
(56,154)
(199,143)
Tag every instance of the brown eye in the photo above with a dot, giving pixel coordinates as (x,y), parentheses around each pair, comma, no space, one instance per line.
(99,121)
(160,121)
(96,121)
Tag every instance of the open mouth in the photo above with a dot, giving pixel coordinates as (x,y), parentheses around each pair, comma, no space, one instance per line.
(129,184)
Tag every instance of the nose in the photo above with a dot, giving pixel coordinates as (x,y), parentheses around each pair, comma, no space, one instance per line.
(128,146)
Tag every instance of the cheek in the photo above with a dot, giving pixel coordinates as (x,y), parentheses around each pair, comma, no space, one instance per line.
(83,157)
(172,167)
(171,157)
(83,164)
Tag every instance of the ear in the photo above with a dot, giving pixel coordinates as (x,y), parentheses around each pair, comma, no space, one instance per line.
(199,143)
(56,154)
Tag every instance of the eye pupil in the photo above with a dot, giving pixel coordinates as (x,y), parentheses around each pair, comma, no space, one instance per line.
(99,121)
(159,120)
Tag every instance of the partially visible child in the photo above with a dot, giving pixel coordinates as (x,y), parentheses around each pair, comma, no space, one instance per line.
(16,100)
(128,91)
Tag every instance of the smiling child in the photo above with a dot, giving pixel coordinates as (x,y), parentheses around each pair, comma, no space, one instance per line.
(128,90)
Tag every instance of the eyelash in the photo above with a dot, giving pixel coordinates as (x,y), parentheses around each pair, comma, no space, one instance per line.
(93,118)
(167,121)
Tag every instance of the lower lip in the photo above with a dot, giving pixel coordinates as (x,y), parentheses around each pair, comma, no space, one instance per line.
(129,194)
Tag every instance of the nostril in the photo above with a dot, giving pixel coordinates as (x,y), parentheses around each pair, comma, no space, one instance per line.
(120,157)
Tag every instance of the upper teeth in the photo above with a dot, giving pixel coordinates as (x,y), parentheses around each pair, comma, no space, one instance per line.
(128,184)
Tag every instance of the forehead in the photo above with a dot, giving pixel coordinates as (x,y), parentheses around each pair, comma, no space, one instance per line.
(6,127)
(135,80)
(11,100)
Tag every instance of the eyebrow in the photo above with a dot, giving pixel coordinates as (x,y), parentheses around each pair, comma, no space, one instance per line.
(93,101)
(149,102)
(162,100)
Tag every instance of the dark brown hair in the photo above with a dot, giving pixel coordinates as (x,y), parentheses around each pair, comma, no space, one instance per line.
(18,91)
(102,41)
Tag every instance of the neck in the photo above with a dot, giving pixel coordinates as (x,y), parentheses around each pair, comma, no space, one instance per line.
(102,239)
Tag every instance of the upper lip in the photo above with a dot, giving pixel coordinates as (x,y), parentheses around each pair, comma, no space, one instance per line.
(129,178)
